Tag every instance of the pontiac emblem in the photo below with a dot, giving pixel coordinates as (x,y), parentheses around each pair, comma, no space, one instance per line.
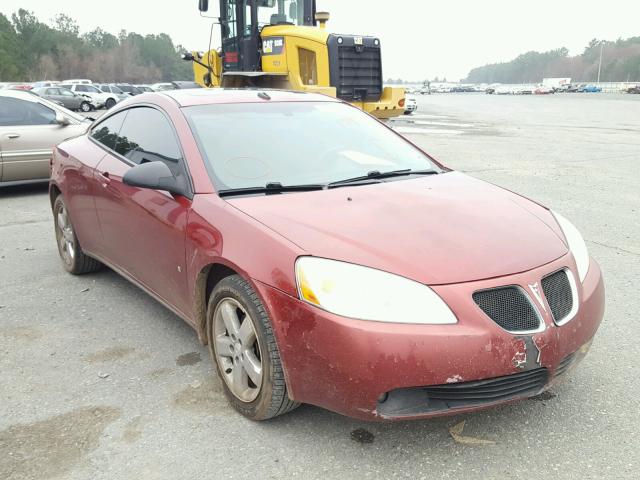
(535,289)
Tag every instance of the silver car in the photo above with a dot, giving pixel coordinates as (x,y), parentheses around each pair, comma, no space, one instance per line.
(29,128)
(66,98)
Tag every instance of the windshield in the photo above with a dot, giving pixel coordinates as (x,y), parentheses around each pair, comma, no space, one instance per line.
(252,144)
(274,12)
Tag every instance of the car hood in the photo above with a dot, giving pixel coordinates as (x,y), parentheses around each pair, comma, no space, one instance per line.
(441,229)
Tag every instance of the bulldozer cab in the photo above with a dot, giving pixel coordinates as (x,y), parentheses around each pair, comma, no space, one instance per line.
(242,22)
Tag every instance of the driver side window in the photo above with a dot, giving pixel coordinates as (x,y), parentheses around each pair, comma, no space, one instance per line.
(15,112)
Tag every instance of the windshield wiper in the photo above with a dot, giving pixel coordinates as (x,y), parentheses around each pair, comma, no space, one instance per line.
(377,175)
(271,189)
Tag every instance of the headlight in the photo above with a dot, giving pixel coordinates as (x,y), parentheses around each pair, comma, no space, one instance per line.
(367,294)
(576,245)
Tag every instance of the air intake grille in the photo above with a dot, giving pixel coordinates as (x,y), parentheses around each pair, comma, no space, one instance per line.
(509,307)
(360,73)
(564,365)
(557,289)
(436,398)
(491,390)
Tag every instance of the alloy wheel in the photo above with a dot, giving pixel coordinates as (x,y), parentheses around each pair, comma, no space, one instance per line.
(65,235)
(237,350)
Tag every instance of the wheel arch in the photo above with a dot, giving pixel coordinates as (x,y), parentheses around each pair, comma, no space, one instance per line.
(54,191)
(206,280)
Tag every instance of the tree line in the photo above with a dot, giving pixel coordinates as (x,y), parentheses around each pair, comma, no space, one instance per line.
(31,50)
(620,63)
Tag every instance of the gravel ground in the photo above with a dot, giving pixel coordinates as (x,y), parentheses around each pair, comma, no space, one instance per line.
(98,381)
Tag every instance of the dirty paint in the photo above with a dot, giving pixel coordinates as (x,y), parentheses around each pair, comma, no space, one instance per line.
(52,447)
(188,359)
(455,379)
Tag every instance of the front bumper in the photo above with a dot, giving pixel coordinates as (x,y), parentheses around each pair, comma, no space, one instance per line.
(352,366)
(387,107)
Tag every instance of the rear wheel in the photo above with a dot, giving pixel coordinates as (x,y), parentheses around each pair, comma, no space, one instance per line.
(109,103)
(85,107)
(243,347)
(73,258)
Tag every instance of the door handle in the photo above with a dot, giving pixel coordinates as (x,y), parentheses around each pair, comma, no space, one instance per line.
(13,135)
(104,178)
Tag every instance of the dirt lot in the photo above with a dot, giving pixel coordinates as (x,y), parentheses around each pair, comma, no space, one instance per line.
(98,381)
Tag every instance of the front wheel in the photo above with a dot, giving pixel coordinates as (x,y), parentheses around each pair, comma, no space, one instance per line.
(243,347)
(85,107)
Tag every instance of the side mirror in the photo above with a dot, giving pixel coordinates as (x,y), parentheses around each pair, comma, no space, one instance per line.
(203,5)
(62,119)
(155,176)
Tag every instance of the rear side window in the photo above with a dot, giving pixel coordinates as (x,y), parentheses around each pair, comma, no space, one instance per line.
(147,136)
(81,88)
(15,112)
(107,132)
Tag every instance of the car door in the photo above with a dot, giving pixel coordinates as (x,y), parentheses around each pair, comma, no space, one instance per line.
(70,100)
(144,229)
(28,131)
(53,94)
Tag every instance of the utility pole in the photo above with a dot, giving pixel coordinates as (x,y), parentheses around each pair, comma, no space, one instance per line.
(600,64)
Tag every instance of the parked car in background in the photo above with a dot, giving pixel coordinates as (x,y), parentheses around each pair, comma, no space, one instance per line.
(48,83)
(144,88)
(182,85)
(634,89)
(311,269)
(100,98)
(543,90)
(589,89)
(29,128)
(161,87)
(83,81)
(20,86)
(117,94)
(410,105)
(569,88)
(129,89)
(66,98)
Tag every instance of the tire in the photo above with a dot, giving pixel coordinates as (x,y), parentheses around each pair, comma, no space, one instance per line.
(85,107)
(270,398)
(109,103)
(74,260)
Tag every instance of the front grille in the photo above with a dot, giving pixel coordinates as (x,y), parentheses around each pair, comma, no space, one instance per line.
(416,401)
(355,69)
(509,307)
(360,73)
(557,289)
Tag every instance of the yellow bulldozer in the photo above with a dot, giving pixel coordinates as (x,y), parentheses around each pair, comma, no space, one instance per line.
(285,44)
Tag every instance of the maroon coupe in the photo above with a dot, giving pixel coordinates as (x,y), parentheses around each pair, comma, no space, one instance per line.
(324,258)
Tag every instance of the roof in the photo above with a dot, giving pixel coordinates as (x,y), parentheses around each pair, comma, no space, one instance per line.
(206,96)
(21,94)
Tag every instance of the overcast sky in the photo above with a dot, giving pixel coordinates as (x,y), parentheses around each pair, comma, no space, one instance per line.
(420,38)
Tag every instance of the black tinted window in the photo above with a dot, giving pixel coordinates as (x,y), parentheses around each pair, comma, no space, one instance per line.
(81,88)
(107,131)
(15,112)
(147,136)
